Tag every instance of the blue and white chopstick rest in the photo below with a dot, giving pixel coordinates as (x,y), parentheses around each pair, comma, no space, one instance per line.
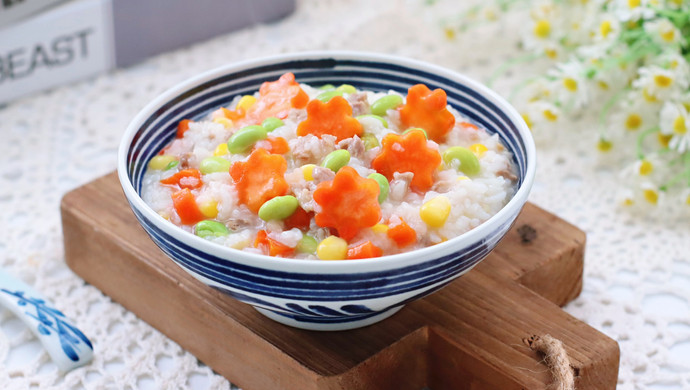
(67,346)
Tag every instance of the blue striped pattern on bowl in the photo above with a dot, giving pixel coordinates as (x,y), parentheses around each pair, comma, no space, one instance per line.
(312,299)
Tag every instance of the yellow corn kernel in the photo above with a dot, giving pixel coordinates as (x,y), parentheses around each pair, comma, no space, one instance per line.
(463,177)
(332,248)
(308,172)
(160,162)
(209,208)
(227,123)
(478,149)
(245,102)
(380,228)
(221,150)
(435,211)
(164,214)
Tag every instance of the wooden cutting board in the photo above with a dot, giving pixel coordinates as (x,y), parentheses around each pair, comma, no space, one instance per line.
(469,335)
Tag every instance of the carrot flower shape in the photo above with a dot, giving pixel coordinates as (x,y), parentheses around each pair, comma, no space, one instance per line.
(276,98)
(186,178)
(408,153)
(260,178)
(427,109)
(333,117)
(348,203)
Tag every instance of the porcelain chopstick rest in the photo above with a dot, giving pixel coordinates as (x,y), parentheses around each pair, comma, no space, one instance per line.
(67,346)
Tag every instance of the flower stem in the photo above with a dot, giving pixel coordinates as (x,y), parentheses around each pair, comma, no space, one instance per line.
(510,63)
(640,140)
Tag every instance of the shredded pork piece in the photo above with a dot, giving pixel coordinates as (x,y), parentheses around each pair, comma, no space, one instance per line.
(359,103)
(400,185)
(354,145)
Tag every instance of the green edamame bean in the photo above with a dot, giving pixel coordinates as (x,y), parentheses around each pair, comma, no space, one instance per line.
(383,121)
(245,137)
(278,208)
(327,86)
(212,228)
(271,124)
(307,244)
(346,88)
(162,162)
(416,128)
(370,141)
(383,185)
(386,103)
(336,160)
(469,163)
(214,164)
(328,95)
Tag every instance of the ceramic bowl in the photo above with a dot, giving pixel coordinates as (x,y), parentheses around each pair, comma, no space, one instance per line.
(313,294)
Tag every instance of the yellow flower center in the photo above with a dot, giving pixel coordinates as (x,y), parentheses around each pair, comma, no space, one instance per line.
(633,3)
(570,84)
(449,32)
(542,29)
(628,202)
(664,139)
(527,120)
(605,28)
(551,53)
(687,200)
(668,35)
(662,81)
(603,85)
(633,122)
(679,125)
(646,168)
(550,115)
(604,145)
(673,64)
(651,196)
(647,96)
(677,2)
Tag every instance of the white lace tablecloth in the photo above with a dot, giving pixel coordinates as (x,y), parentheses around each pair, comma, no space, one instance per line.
(637,270)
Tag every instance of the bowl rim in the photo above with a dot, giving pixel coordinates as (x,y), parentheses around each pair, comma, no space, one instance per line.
(416,256)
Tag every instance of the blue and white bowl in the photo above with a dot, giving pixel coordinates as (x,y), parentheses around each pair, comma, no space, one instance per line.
(312,294)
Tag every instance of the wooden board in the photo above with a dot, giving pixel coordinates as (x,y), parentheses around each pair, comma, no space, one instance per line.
(468,335)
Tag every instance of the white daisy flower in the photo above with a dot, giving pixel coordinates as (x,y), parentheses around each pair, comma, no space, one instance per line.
(675,122)
(634,116)
(606,30)
(663,32)
(570,84)
(657,83)
(544,30)
(632,10)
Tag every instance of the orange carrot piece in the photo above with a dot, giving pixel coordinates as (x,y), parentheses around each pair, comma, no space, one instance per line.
(402,234)
(233,115)
(333,117)
(276,98)
(186,178)
(273,247)
(275,145)
(427,109)
(365,250)
(348,203)
(185,205)
(300,219)
(182,127)
(470,125)
(408,153)
(260,178)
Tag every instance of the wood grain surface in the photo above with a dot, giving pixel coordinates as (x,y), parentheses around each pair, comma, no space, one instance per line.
(469,335)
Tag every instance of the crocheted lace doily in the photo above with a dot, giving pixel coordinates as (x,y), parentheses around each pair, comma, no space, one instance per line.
(637,273)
